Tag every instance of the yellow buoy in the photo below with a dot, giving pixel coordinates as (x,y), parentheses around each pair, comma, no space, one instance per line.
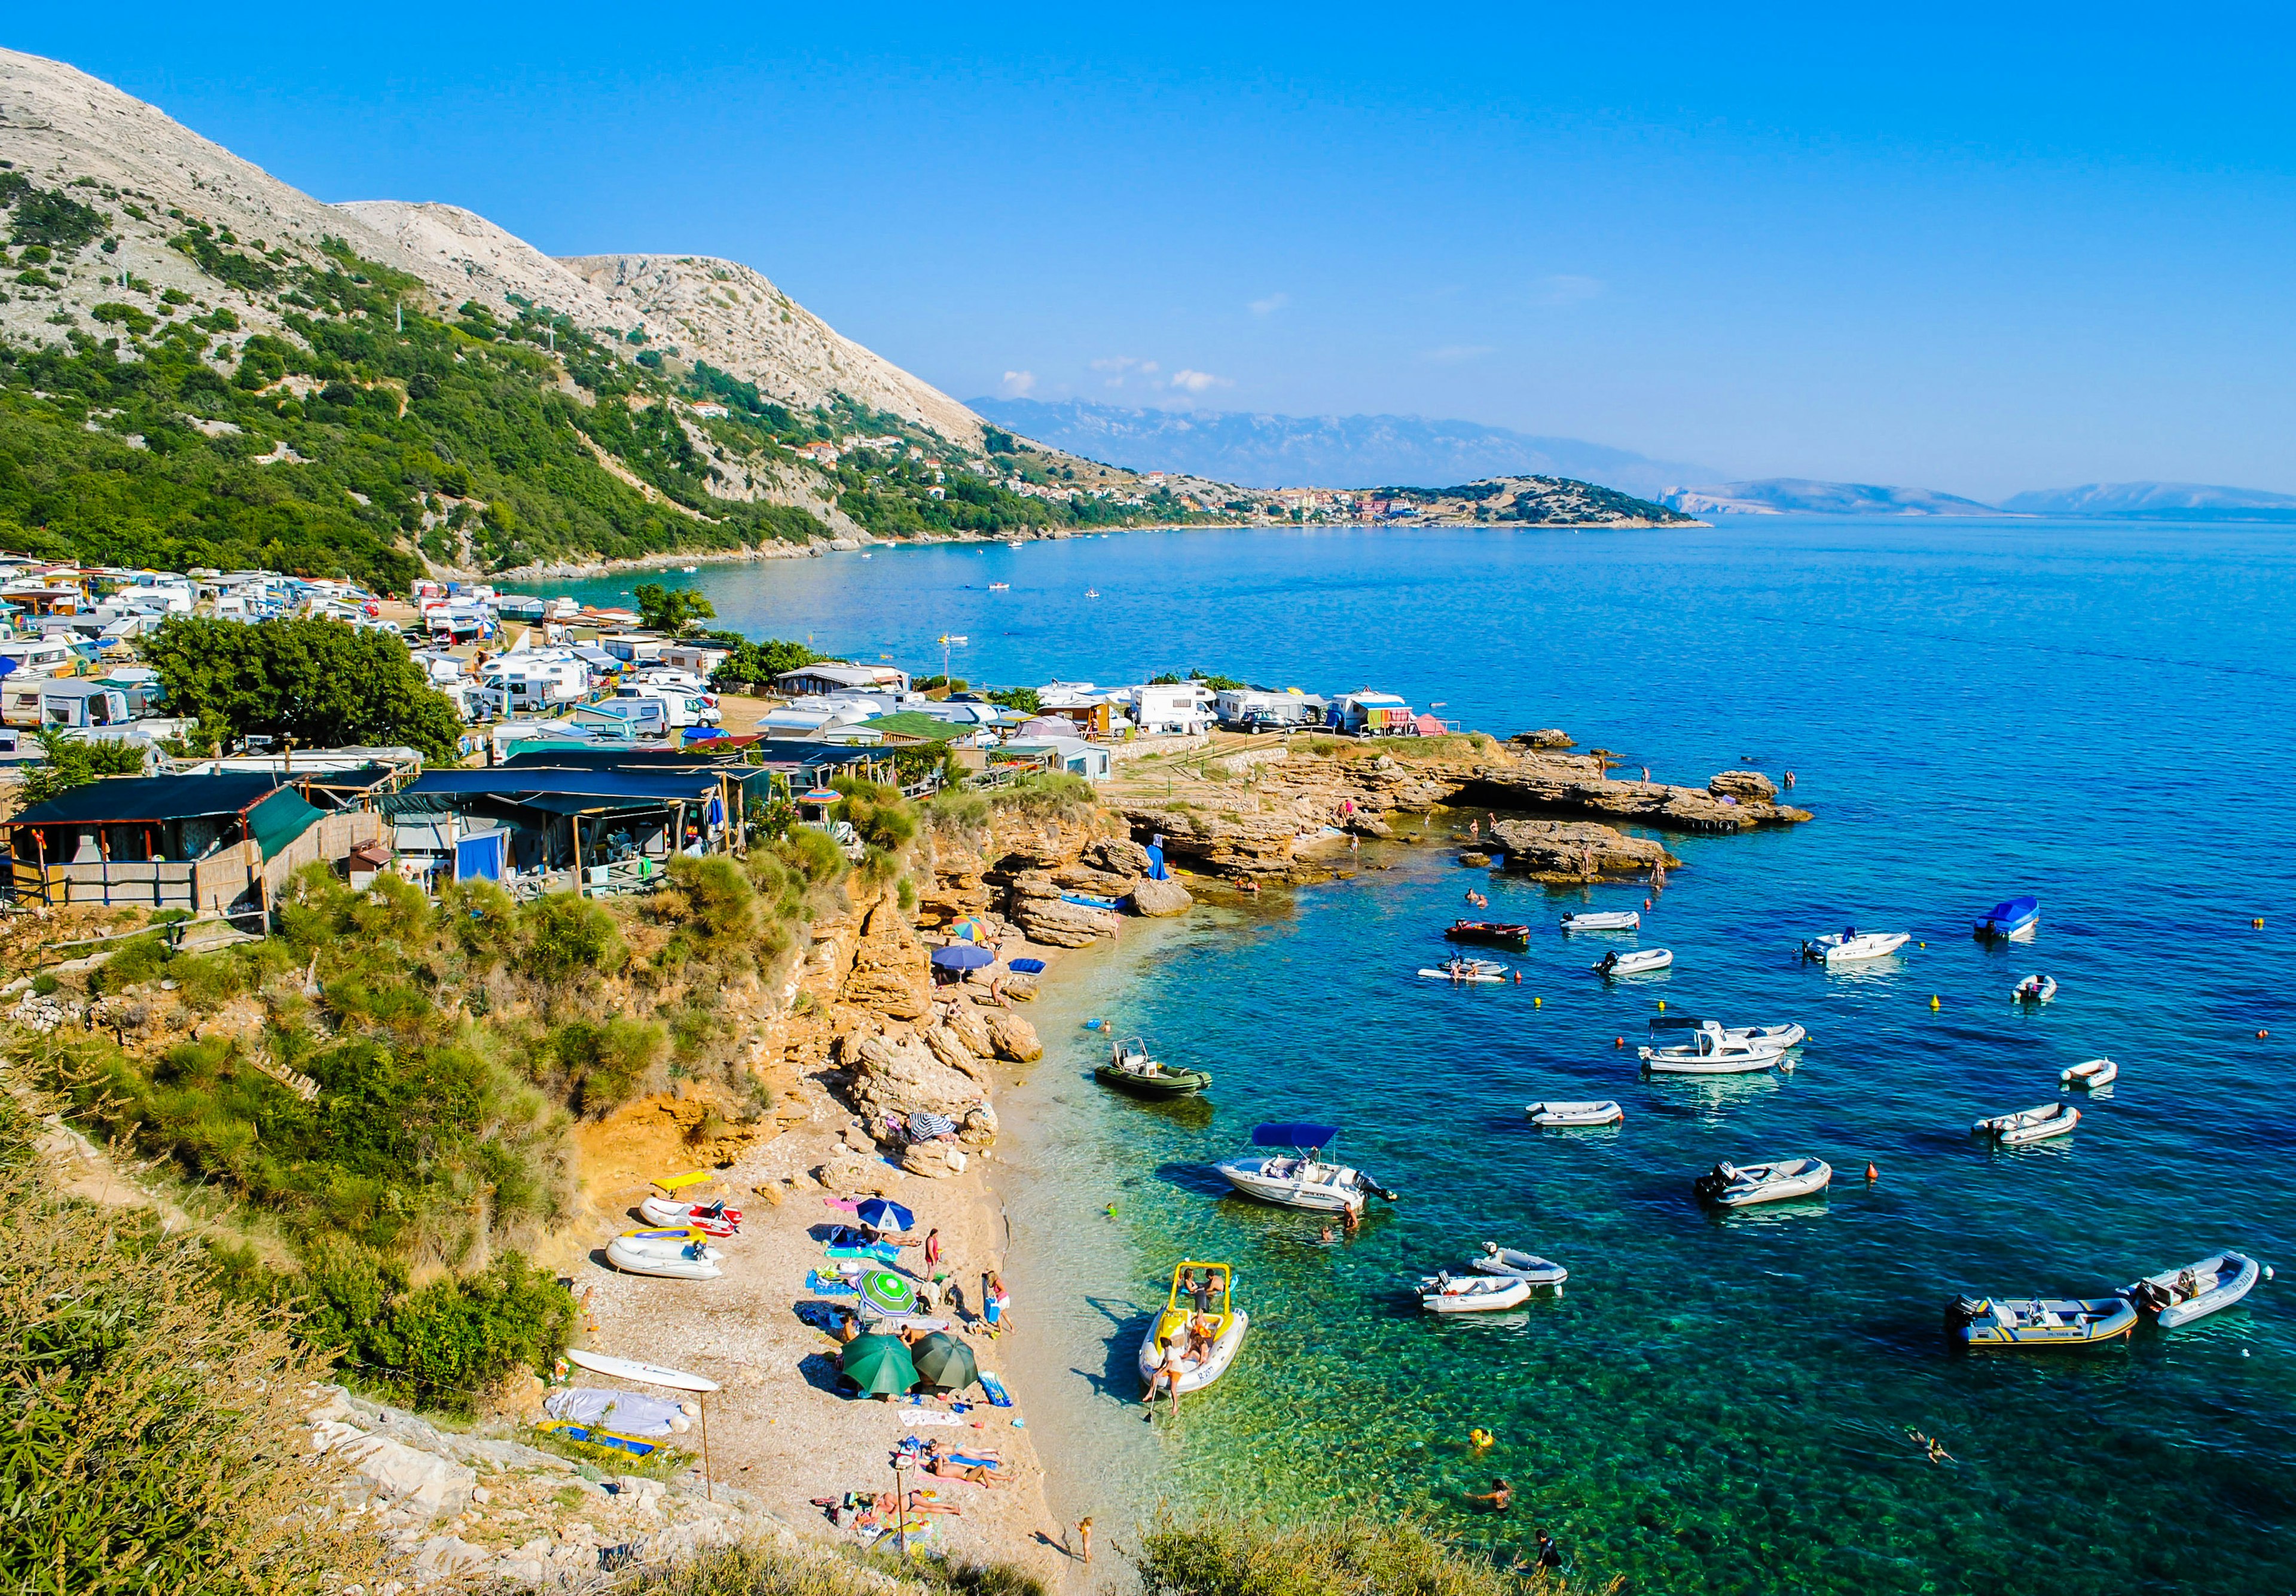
(1538,1002)
(1934,1004)
(1661,1005)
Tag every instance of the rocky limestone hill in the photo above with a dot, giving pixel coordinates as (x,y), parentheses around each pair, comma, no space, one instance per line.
(72,133)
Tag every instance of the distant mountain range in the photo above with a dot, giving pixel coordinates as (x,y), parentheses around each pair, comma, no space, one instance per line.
(1326,451)
(1798,495)
(2176,501)
(2162,501)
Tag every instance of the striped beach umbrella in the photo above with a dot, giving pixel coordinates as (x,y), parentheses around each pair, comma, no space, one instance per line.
(886,1292)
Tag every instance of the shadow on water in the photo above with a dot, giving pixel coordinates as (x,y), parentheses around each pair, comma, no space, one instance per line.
(1188,1175)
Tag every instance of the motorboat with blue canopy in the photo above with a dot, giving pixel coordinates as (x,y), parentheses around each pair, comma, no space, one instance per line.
(1298,1176)
(2014,921)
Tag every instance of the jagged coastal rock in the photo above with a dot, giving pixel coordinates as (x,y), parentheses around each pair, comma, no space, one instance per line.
(1256,813)
(1577,851)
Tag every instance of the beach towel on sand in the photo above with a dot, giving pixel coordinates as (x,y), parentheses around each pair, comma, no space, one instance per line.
(833,1286)
(927,1416)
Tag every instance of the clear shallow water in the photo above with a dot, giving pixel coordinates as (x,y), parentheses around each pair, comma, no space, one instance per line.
(2100,715)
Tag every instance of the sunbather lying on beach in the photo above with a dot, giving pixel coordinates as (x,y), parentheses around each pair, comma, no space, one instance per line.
(944,1468)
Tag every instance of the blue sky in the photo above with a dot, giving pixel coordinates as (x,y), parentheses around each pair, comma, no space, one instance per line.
(1918,245)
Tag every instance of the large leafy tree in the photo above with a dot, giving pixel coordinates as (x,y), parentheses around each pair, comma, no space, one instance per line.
(320,681)
(672,609)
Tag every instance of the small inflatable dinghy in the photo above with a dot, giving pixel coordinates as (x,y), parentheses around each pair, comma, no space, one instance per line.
(2180,1295)
(1742,1185)
(669,1241)
(1513,1264)
(1625,920)
(690,1261)
(1466,970)
(2038,1323)
(1632,963)
(2035,989)
(1448,1293)
(2096,1072)
(2029,1124)
(715,1218)
(1553,1114)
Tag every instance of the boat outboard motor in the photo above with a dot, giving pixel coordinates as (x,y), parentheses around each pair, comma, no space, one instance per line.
(1609,961)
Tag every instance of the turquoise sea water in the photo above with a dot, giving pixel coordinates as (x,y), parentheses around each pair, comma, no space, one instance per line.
(2098,715)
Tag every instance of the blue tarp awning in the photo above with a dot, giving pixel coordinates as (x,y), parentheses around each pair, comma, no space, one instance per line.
(480,857)
(1293,1135)
(552,786)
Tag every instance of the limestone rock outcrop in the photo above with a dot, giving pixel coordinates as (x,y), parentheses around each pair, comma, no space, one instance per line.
(1576,849)
(891,973)
(1160,898)
(1040,911)
(894,1076)
(1015,1039)
(1743,785)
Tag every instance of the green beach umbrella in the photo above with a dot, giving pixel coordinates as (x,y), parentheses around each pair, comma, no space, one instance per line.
(944,1360)
(878,1364)
(884,1292)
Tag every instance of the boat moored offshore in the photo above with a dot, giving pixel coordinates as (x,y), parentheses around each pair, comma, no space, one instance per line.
(2030,1124)
(2035,989)
(1620,919)
(1129,1069)
(1516,1265)
(1705,1048)
(2038,1323)
(2180,1296)
(1637,962)
(1850,946)
(1742,1185)
(2095,1072)
(1448,1293)
(1300,1177)
(2014,921)
(1590,1112)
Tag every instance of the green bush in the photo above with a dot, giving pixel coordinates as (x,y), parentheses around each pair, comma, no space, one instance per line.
(567,933)
(606,1063)
(443,1345)
(1235,1556)
(878,813)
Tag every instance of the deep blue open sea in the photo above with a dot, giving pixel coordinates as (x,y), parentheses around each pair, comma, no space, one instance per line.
(2101,715)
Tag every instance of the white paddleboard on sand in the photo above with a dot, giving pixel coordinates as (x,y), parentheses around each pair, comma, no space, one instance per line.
(647,1374)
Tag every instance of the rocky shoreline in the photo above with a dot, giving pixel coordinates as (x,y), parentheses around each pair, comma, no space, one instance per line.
(1266,809)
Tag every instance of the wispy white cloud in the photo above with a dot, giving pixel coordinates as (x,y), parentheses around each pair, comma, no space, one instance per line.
(1562,288)
(1454,353)
(1196,382)
(1116,366)
(1270,305)
(1017,383)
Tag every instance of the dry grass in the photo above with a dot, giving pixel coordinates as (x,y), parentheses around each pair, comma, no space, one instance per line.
(1229,1555)
(151,1426)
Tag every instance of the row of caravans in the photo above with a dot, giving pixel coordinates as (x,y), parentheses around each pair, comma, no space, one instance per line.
(1366,713)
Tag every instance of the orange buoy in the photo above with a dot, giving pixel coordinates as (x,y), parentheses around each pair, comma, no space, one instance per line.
(2261,1036)
(1621,1042)
(1872,1174)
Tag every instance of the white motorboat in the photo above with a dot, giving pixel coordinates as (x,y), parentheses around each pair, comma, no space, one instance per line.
(1517,1264)
(1848,946)
(1448,1293)
(2180,1295)
(1213,1286)
(1300,1177)
(2096,1072)
(2030,1124)
(1626,920)
(2035,989)
(1708,1049)
(1634,963)
(693,1262)
(1466,970)
(1742,1185)
(1603,1112)
(714,1217)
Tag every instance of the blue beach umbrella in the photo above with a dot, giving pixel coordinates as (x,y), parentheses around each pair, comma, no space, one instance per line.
(880,1215)
(962,955)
